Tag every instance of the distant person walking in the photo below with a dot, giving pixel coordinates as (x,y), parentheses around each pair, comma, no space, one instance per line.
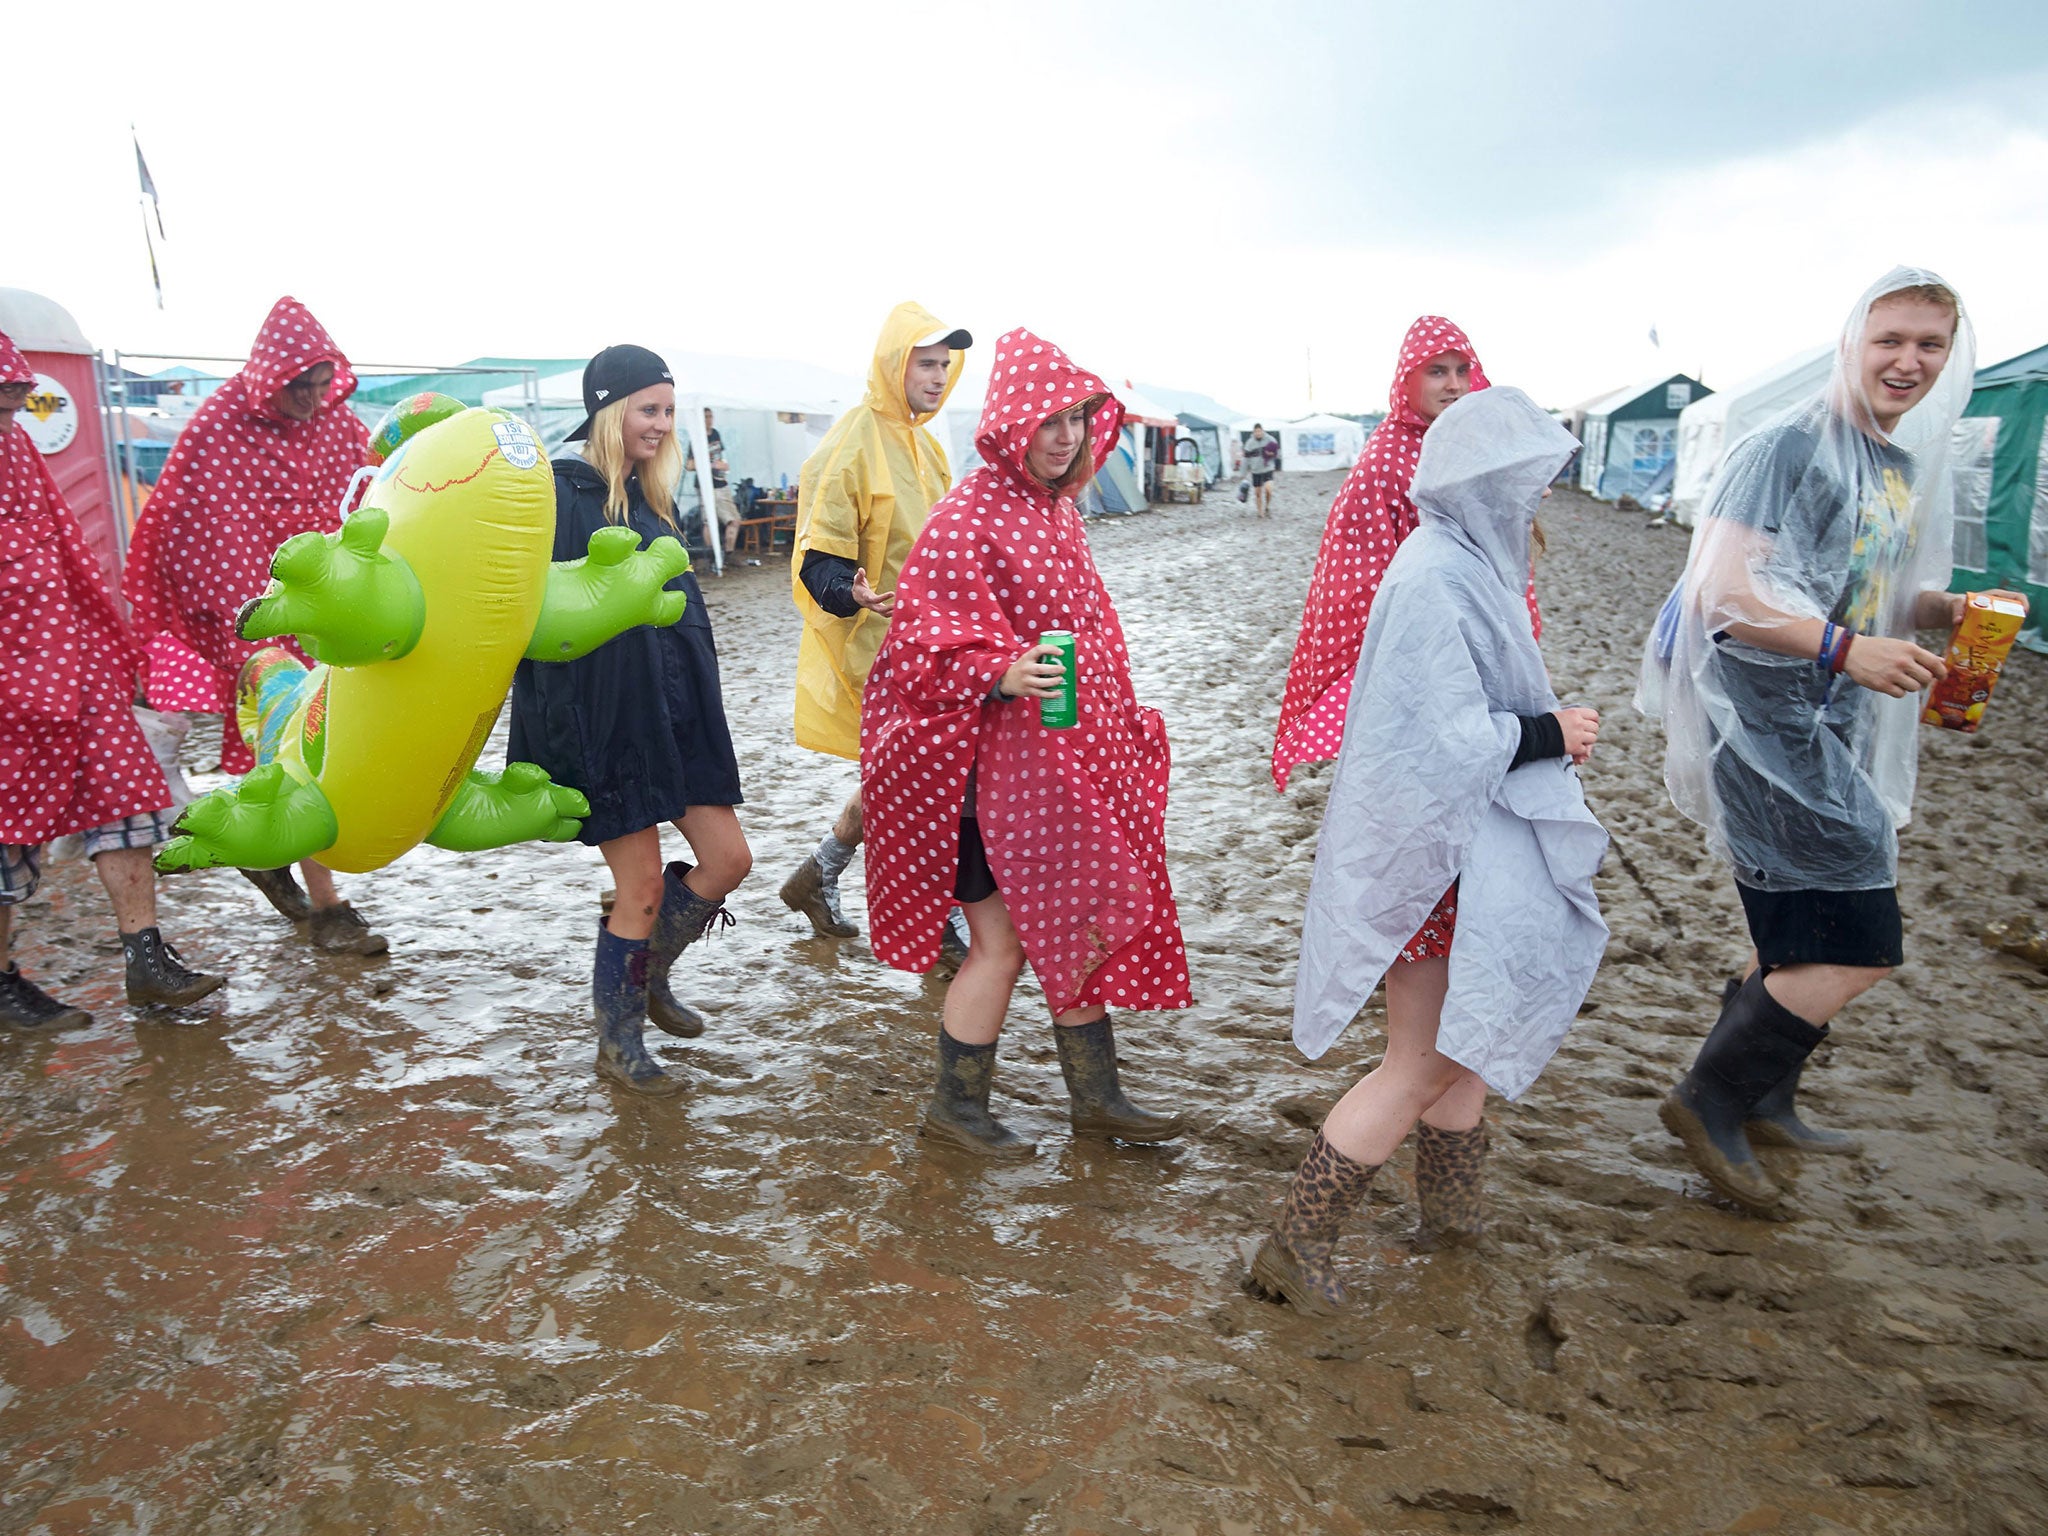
(726,506)
(1262,462)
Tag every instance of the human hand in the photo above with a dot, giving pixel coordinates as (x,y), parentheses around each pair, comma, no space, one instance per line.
(1581,730)
(1033,675)
(1896,667)
(883,603)
(1938,610)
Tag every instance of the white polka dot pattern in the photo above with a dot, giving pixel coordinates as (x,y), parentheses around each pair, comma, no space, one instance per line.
(1370,517)
(1073,820)
(241,479)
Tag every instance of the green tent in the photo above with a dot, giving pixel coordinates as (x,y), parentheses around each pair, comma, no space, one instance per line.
(2001,469)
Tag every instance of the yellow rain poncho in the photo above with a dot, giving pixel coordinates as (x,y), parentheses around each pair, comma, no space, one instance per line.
(863,496)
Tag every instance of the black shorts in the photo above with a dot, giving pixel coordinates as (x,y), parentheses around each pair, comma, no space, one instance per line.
(973,881)
(1860,928)
(1261,478)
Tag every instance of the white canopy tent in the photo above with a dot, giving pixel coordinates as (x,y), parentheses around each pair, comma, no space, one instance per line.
(1708,428)
(1320,442)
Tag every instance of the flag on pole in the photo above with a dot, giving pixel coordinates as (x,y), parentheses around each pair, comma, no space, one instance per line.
(150,205)
(148,186)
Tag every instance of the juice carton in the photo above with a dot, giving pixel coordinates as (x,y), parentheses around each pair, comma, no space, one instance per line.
(1990,622)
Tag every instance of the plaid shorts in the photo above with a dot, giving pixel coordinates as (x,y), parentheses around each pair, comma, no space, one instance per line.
(21,865)
(21,871)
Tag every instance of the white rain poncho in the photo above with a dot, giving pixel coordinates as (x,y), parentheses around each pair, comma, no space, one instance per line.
(1801,780)
(1423,794)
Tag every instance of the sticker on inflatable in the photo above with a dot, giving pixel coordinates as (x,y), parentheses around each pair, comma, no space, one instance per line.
(517,442)
(50,415)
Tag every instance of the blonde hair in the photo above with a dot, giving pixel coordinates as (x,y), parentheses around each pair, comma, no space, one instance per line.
(1940,295)
(659,477)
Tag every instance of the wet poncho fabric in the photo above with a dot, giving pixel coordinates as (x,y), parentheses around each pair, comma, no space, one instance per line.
(1073,821)
(71,754)
(863,495)
(1423,793)
(1801,780)
(1370,517)
(241,479)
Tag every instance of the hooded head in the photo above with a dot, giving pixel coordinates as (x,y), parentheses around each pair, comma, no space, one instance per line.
(909,327)
(15,371)
(1906,361)
(291,344)
(1485,466)
(1032,380)
(1430,336)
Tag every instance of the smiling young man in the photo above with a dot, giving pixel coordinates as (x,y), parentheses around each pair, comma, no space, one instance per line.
(862,499)
(1788,677)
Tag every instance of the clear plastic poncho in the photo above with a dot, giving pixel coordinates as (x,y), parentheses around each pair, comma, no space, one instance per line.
(1802,780)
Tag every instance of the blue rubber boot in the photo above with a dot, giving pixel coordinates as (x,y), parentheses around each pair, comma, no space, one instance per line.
(681,922)
(618,991)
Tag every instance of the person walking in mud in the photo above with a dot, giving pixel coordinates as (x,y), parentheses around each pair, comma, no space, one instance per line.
(1457,854)
(267,456)
(638,726)
(72,756)
(1053,840)
(862,500)
(1785,670)
(1372,514)
(1262,463)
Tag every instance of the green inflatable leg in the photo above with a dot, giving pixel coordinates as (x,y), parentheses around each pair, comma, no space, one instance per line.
(616,587)
(348,602)
(265,821)
(519,805)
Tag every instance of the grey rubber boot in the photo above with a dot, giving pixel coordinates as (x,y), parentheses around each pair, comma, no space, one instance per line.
(813,892)
(618,994)
(1098,1105)
(681,922)
(340,930)
(958,1113)
(157,977)
(1450,1170)
(1294,1263)
(24,1005)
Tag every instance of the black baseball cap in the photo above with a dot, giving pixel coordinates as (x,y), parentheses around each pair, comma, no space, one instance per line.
(613,374)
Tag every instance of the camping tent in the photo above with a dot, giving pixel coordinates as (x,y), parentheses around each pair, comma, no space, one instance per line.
(1206,423)
(1709,427)
(64,417)
(1321,442)
(2001,471)
(1631,434)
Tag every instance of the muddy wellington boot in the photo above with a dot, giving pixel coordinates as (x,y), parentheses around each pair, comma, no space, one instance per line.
(681,922)
(1099,1108)
(1755,1044)
(618,994)
(156,976)
(813,891)
(283,891)
(1294,1262)
(1774,1122)
(1450,1169)
(340,930)
(24,1005)
(958,1113)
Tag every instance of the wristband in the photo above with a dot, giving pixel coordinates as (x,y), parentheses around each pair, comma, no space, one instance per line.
(1825,659)
(1840,659)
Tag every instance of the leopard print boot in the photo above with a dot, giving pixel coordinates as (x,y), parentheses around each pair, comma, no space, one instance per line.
(1293,1263)
(1449,1171)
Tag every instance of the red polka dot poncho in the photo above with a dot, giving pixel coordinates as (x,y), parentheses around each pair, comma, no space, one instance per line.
(71,754)
(1073,820)
(1370,517)
(241,480)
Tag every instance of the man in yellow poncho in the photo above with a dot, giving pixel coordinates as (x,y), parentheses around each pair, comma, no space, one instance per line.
(862,498)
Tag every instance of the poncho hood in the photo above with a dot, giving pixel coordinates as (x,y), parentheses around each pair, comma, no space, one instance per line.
(1483,471)
(885,397)
(14,368)
(1032,380)
(1429,336)
(290,342)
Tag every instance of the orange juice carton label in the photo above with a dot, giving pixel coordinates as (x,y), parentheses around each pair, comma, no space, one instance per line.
(1991,621)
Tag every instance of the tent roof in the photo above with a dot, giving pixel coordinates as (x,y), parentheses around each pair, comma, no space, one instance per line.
(1789,375)
(1186,403)
(1322,419)
(1607,405)
(2027,365)
(1139,406)
(37,324)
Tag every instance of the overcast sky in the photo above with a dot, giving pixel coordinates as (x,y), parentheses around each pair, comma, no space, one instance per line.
(1231,199)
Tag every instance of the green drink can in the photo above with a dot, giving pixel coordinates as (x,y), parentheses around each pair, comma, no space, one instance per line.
(1063,710)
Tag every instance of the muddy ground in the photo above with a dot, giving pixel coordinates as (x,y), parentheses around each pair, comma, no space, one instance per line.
(365,1247)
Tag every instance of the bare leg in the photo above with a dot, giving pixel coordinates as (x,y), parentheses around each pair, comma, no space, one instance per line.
(1377,1114)
(635,863)
(720,846)
(131,886)
(848,827)
(979,995)
(1461,1106)
(1818,992)
(6,937)
(319,884)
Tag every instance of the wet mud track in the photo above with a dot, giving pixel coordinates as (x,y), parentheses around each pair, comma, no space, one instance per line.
(368,1248)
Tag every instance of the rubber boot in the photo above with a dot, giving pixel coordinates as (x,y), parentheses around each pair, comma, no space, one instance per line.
(157,977)
(24,1005)
(958,1113)
(1755,1044)
(340,930)
(283,891)
(1774,1122)
(681,922)
(618,994)
(1294,1262)
(813,892)
(1450,1169)
(953,940)
(1098,1105)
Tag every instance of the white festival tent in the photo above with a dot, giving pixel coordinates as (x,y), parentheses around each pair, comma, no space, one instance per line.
(1708,428)
(770,414)
(1320,442)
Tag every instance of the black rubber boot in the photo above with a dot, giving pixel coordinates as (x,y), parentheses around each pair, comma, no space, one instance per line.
(618,994)
(681,922)
(24,1005)
(1754,1045)
(1295,1262)
(1774,1122)
(157,977)
(1450,1187)
(1098,1105)
(283,891)
(958,1113)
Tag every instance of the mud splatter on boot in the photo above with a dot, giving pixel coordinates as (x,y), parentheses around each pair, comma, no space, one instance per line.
(157,977)
(24,1005)
(681,922)
(1098,1105)
(958,1113)
(618,991)
(1294,1262)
